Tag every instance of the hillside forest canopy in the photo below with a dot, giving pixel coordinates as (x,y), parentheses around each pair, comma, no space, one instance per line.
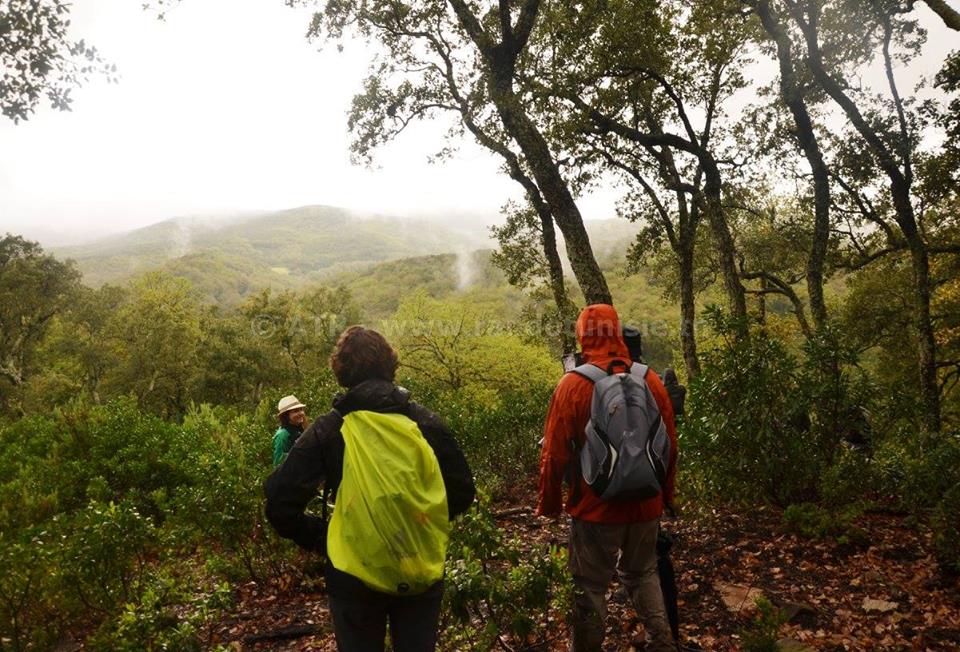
(788,243)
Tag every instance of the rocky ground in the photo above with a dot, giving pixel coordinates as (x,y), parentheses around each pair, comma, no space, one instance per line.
(885,594)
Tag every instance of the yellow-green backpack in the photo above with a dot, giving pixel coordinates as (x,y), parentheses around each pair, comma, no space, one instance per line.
(390,522)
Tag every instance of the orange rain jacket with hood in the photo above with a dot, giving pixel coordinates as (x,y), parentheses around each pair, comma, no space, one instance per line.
(598,332)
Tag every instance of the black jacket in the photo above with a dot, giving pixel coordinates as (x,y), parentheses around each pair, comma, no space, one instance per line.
(317,458)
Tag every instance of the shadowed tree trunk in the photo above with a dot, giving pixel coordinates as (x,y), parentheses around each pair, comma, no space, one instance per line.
(688,310)
(900,182)
(565,307)
(500,59)
(726,248)
(792,96)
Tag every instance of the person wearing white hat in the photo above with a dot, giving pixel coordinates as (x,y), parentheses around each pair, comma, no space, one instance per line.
(293,421)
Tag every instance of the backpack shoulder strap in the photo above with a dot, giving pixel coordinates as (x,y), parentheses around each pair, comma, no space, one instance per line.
(591,372)
(639,369)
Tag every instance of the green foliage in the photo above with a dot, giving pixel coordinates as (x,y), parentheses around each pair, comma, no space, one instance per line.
(922,469)
(756,410)
(945,524)
(855,477)
(457,345)
(501,588)
(499,434)
(34,287)
(103,556)
(40,59)
(299,330)
(165,617)
(110,453)
(234,364)
(875,321)
(748,421)
(908,469)
(814,522)
(160,325)
(223,505)
(111,493)
(27,589)
(520,252)
(763,632)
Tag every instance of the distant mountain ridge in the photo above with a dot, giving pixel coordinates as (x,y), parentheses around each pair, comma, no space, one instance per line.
(230,258)
(279,248)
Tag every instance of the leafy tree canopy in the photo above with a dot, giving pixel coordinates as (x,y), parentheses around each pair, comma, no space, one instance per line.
(39,59)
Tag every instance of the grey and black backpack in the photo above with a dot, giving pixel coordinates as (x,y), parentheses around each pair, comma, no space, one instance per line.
(627,448)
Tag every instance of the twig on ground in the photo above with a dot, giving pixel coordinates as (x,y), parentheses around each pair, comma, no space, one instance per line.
(513,511)
(294,631)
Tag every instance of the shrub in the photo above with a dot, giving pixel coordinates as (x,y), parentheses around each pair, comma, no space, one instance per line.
(853,479)
(223,511)
(111,495)
(164,617)
(113,452)
(838,391)
(814,522)
(763,424)
(103,556)
(498,432)
(931,468)
(748,422)
(763,632)
(945,524)
(27,597)
(497,588)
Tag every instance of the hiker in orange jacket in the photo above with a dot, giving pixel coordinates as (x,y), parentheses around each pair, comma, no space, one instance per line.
(605,537)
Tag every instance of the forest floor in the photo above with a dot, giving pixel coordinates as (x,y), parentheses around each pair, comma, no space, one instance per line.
(884,595)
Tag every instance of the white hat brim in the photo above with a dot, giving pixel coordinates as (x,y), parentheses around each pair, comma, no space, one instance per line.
(291,408)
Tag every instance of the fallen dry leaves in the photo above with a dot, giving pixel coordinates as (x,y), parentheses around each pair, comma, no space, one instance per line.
(886,597)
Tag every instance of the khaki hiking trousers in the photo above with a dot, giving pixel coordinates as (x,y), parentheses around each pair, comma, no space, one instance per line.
(597,551)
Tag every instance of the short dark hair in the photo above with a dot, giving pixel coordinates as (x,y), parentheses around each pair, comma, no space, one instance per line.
(362,354)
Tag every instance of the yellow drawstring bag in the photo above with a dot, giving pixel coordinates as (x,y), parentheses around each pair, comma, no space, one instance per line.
(390,523)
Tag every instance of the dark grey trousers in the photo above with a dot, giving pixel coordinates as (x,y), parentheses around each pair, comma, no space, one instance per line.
(360,618)
(597,551)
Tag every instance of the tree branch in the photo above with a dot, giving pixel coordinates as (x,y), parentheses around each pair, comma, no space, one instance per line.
(472,26)
(525,23)
(949,16)
(898,102)
(783,287)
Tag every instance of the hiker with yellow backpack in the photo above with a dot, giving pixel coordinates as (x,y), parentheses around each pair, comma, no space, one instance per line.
(398,477)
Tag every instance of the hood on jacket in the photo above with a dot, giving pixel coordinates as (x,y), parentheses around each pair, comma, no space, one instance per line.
(599,335)
(375,395)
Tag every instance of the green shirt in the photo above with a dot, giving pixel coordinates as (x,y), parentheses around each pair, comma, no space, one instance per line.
(282,443)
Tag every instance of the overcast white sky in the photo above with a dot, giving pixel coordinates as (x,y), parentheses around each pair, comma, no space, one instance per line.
(225,106)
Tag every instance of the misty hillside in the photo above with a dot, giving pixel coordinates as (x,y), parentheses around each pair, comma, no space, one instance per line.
(228,258)
(278,248)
